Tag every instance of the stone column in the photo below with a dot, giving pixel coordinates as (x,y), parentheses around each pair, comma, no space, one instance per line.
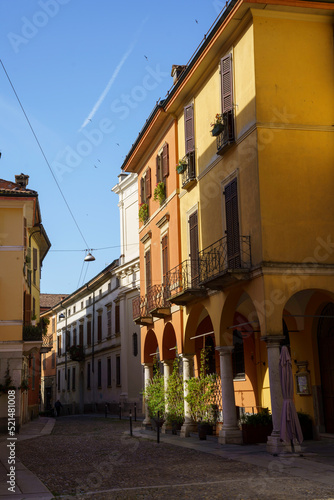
(167,371)
(147,377)
(189,425)
(230,432)
(274,444)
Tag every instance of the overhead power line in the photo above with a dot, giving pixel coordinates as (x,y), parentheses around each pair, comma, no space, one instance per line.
(45,158)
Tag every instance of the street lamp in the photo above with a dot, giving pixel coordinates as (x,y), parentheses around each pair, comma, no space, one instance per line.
(89,257)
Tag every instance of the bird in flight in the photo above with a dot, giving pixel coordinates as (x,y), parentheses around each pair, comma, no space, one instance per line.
(146,57)
(196,21)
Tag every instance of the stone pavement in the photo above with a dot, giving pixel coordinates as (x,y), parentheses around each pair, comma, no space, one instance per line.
(316,462)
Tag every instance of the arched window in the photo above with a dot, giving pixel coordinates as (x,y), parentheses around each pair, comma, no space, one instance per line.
(238,359)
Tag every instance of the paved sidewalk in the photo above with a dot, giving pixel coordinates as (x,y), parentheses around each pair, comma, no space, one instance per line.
(315,462)
(27,484)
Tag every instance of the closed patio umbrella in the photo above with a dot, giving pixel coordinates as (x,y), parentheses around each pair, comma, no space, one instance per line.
(290,426)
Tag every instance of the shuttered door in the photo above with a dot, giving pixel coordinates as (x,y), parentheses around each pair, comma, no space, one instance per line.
(226,83)
(189,128)
(193,237)
(165,161)
(232,225)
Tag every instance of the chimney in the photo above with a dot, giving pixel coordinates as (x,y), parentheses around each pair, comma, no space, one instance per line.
(176,72)
(22,180)
(122,176)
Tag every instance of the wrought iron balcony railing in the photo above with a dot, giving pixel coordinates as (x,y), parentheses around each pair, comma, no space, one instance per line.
(182,282)
(140,310)
(222,258)
(32,333)
(226,137)
(189,175)
(157,298)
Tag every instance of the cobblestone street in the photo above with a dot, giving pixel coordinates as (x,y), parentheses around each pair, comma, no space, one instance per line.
(95,458)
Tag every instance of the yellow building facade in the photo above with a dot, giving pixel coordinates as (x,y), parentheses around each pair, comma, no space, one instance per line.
(262,271)
(23,246)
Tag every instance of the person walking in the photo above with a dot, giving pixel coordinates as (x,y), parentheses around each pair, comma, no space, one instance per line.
(58,406)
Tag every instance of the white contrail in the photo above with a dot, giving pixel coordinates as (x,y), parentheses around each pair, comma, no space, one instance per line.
(108,87)
(112,79)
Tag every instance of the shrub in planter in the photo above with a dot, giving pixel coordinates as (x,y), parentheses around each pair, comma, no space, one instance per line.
(154,394)
(160,192)
(175,398)
(200,395)
(256,428)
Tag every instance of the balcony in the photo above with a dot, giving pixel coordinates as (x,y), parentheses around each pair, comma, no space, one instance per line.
(140,312)
(32,338)
(189,175)
(157,303)
(224,262)
(226,138)
(47,343)
(182,283)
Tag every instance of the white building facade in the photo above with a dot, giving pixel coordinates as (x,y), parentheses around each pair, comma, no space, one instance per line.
(128,277)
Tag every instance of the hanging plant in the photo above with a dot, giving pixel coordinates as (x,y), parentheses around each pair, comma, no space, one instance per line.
(160,192)
(181,166)
(143,212)
(217,125)
(7,386)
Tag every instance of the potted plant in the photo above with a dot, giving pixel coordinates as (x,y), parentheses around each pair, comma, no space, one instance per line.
(256,427)
(143,212)
(24,385)
(200,398)
(217,125)
(76,353)
(7,386)
(154,394)
(306,425)
(182,166)
(160,192)
(175,398)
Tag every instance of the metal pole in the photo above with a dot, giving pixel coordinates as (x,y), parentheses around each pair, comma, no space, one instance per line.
(106,410)
(130,423)
(135,412)
(158,429)
(120,411)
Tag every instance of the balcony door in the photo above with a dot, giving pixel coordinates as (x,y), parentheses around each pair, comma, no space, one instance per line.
(193,240)
(232,225)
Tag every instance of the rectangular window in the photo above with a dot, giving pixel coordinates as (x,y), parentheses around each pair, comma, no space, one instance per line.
(109,372)
(68,339)
(34,260)
(118,370)
(109,322)
(99,374)
(74,309)
(53,360)
(117,321)
(74,336)
(82,305)
(148,269)
(58,381)
(88,375)
(89,333)
(164,249)
(189,128)
(68,379)
(25,240)
(33,306)
(33,372)
(44,361)
(73,378)
(232,224)
(193,240)
(81,335)
(59,345)
(99,328)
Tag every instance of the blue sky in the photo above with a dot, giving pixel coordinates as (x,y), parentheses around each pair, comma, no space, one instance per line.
(88,73)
